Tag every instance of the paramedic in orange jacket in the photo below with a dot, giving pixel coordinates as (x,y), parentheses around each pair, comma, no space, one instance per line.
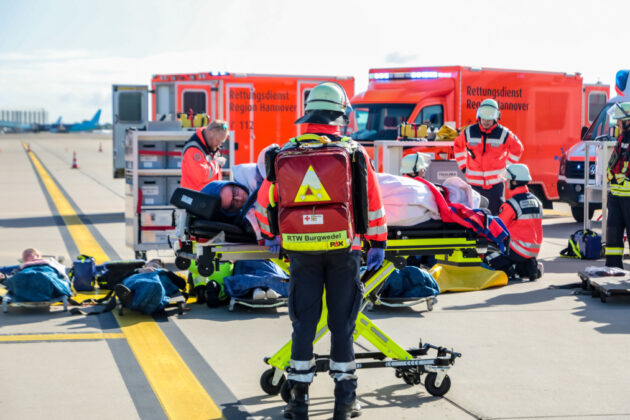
(482,151)
(200,166)
(337,270)
(522,214)
(201,162)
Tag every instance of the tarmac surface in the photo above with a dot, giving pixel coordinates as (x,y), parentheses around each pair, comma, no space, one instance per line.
(529,350)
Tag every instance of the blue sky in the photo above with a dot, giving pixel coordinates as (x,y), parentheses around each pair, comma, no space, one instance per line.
(65,55)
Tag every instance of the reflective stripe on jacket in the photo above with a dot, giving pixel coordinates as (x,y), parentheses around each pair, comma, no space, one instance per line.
(522,214)
(198,165)
(620,170)
(485,153)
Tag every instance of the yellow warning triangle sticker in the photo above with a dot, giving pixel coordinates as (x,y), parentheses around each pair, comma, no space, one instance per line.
(311,188)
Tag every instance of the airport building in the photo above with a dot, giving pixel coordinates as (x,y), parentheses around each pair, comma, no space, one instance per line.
(24,116)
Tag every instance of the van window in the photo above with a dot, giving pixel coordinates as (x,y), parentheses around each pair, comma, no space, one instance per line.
(305,93)
(596,101)
(602,125)
(129,106)
(379,121)
(195,100)
(433,114)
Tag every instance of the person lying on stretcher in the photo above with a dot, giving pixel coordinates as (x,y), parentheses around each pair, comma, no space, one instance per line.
(37,279)
(150,288)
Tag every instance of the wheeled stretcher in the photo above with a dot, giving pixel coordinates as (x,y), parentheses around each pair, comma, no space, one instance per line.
(227,242)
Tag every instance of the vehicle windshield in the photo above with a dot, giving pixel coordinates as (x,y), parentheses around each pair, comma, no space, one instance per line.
(604,125)
(378,121)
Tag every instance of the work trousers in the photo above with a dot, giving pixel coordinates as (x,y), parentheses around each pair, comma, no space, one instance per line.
(494,195)
(513,263)
(617,222)
(339,274)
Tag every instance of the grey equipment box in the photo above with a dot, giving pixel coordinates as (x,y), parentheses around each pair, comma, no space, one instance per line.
(151,154)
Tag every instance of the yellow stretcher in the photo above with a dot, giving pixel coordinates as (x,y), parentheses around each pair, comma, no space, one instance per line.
(231,243)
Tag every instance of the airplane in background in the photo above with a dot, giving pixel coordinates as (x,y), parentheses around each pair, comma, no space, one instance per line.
(85,125)
(57,127)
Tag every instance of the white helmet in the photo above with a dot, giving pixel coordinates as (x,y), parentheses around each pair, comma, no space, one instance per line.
(260,163)
(488,110)
(620,111)
(518,172)
(414,163)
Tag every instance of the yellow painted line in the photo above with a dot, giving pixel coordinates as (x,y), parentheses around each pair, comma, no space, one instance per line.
(550,212)
(59,337)
(80,233)
(176,387)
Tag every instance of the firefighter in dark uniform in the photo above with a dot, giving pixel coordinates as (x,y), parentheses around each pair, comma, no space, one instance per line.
(618,220)
(321,263)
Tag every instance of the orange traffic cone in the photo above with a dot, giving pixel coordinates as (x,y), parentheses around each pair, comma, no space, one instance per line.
(100,147)
(74,161)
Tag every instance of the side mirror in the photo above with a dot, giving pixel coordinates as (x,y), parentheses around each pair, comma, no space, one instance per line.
(584,130)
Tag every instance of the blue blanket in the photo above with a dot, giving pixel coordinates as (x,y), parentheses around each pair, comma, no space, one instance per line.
(151,291)
(410,282)
(249,275)
(38,283)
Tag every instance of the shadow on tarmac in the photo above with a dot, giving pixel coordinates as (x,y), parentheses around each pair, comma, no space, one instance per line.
(31,222)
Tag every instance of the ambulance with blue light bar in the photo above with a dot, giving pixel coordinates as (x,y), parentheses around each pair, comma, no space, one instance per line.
(571,171)
(546,110)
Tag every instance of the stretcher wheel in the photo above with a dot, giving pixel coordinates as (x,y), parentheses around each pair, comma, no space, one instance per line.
(267,386)
(603,297)
(285,391)
(429,384)
(205,270)
(182,263)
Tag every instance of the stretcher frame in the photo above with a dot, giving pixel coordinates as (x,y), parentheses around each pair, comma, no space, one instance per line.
(409,364)
(9,301)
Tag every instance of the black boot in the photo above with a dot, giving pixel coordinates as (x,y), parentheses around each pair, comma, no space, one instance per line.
(125,296)
(297,409)
(347,411)
(200,292)
(212,294)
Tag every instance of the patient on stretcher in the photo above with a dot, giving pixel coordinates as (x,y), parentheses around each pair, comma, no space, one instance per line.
(149,289)
(37,279)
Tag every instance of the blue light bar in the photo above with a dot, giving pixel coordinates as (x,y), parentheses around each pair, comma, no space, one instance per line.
(410,75)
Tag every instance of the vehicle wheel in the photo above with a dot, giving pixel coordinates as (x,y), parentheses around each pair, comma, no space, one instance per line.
(578,213)
(429,384)
(267,386)
(182,263)
(285,391)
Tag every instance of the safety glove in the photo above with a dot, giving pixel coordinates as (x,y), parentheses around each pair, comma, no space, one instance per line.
(375,257)
(273,244)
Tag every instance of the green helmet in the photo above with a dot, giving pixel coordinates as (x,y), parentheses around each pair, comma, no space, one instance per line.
(621,110)
(488,110)
(327,96)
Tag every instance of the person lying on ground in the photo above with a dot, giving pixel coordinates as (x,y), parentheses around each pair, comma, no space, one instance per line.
(150,288)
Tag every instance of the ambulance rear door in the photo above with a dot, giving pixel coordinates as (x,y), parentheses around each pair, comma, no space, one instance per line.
(240,108)
(130,110)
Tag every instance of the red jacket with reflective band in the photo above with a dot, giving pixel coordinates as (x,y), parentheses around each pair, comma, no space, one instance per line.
(377,225)
(198,168)
(522,214)
(485,153)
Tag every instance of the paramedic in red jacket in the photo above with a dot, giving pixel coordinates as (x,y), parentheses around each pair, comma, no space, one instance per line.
(522,215)
(201,161)
(321,263)
(482,151)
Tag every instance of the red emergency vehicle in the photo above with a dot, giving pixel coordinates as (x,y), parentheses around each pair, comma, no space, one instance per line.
(260,108)
(546,110)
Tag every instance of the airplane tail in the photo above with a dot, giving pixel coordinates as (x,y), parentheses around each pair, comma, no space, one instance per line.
(96,117)
(58,121)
